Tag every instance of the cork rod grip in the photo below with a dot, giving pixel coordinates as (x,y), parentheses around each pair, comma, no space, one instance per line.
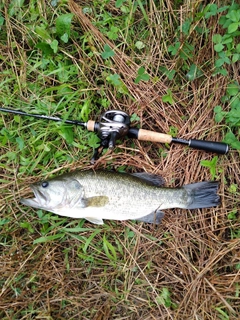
(147,135)
(90,125)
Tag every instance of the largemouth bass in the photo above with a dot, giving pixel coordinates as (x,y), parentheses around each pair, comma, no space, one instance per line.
(98,195)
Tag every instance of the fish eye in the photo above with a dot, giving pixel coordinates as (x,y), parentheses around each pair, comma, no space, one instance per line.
(45,184)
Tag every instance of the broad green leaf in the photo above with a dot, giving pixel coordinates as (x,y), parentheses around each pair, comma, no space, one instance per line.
(233,27)
(142,76)
(232,140)
(168,97)
(218,47)
(65,37)
(93,140)
(119,3)
(217,38)
(67,133)
(63,24)
(42,32)
(114,79)
(20,143)
(233,89)
(193,72)
(107,53)
(46,50)
(235,57)
(174,48)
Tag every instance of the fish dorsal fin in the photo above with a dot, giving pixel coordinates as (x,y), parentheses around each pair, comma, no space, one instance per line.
(150,178)
(97,201)
(153,217)
(94,220)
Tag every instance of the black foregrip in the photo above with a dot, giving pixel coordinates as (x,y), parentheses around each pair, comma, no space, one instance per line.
(133,133)
(217,147)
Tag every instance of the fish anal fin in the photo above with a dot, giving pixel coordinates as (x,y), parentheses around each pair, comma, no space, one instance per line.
(153,217)
(94,220)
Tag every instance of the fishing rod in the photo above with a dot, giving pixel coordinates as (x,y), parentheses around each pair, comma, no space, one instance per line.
(115,124)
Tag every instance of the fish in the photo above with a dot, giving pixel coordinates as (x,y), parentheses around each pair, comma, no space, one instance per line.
(99,195)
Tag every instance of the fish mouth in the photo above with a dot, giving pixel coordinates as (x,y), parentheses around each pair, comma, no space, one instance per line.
(40,201)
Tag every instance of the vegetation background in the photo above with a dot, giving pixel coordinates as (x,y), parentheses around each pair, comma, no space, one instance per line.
(174,67)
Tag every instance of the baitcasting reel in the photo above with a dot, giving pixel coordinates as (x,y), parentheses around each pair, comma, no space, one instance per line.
(113,124)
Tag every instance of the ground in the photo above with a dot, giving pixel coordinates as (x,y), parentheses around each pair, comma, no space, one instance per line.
(173,66)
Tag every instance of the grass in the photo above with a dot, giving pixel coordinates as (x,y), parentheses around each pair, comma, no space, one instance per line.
(172,67)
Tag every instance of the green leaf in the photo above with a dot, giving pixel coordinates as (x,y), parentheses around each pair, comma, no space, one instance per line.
(233,27)
(210,10)
(211,164)
(63,24)
(193,72)
(42,32)
(93,140)
(54,45)
(219,62)
(165,298)
(65,37)
(67,133)
(232,140)
(235,57)
(186,26)
(20,143)
(139,45)
(45,48)
(141,71)
(119,3)
(113,33)
(217,38)
(174,48)
(218,47)
(109,249)
(227,38)
(233,89)
(219,113)
(107,53)
(114,79)
(49,238)
(142,75)
(234,15)
(168,97)
(1,20)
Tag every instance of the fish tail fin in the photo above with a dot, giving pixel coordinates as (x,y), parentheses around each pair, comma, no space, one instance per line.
(202,195)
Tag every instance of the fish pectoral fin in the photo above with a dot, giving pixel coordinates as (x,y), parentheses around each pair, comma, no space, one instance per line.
(94,220)
(153,217)
(97,201)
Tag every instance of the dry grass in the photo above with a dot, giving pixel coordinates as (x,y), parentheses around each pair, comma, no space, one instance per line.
(193,254)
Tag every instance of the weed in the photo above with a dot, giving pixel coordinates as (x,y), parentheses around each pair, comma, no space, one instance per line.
(142,75)
(212,165)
